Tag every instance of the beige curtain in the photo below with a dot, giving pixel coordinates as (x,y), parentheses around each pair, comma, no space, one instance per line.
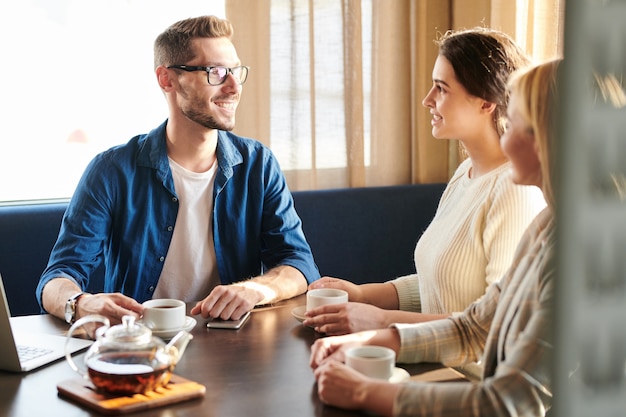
(336,85)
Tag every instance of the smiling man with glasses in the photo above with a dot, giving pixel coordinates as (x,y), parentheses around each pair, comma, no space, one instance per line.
(188,211)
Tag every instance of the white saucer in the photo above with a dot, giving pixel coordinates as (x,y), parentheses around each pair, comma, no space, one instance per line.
(298,313)
(190,323)
(399,375)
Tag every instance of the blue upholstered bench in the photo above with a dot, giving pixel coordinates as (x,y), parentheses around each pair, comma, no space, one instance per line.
(361,234)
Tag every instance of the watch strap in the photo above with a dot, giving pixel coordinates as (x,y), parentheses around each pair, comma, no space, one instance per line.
(70,307)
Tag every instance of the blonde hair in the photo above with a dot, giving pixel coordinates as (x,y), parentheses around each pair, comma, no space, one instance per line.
(537,92)
(611,91)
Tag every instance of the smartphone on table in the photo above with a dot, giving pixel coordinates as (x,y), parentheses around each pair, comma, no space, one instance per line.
(228,324)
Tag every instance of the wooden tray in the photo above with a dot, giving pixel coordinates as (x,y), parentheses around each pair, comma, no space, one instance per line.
(177,390)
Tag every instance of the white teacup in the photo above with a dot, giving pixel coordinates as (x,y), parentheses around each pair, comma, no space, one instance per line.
(324,296)
(373,361)
(164,314)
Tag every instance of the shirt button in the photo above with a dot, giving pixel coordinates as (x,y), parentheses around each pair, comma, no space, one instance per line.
(162,258)
(151,289)
(170,228)
(174,199)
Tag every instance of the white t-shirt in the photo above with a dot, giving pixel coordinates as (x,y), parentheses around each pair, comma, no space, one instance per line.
(190,269)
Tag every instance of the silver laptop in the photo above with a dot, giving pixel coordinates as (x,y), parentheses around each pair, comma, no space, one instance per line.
(23,352)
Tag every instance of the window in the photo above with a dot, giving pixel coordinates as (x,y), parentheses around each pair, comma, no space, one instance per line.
(78,79)
(308,98)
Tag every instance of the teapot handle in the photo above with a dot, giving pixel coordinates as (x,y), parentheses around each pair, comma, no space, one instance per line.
(79,323)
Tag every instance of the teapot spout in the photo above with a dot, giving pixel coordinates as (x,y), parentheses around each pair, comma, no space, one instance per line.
(176,347)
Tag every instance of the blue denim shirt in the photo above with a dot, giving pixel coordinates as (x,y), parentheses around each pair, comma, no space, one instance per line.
(124,210)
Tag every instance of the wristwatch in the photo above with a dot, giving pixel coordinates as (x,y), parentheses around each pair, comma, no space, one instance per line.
(70,307)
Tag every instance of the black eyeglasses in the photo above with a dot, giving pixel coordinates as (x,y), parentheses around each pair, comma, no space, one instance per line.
(217,74)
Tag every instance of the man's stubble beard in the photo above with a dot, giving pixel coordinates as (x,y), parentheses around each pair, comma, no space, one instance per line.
(202,117)
(208,121)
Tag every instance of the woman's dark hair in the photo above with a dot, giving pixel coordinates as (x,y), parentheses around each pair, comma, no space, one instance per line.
(483,59)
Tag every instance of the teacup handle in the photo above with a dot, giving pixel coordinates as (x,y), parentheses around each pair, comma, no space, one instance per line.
(79,323)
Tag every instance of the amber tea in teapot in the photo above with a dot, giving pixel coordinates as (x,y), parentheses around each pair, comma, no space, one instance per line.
(127,373)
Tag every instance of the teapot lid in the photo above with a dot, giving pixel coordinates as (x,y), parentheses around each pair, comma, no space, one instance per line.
(129,332)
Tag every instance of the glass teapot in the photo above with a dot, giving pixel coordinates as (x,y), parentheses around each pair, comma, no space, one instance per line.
(126,359)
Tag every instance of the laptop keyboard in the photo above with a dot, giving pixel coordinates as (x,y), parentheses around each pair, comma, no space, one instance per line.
(27,353)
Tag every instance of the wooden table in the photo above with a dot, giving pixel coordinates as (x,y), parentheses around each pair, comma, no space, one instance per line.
(259,370)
